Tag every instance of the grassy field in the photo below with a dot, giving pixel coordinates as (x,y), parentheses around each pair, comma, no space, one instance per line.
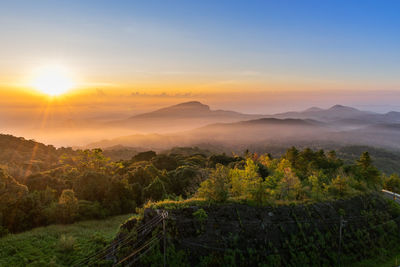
(391,260)
(58,245)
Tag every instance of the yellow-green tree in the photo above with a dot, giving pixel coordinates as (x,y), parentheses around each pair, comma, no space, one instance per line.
(244,180)
(216,187)
(317,187)
(248,183)
(339,186)
(290,183)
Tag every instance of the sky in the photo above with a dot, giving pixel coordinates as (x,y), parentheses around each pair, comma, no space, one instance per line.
(251,56)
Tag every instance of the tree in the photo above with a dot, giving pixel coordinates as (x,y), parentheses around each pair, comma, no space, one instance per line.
(90,160)
(317,186)
(165,162)
(12,197)
(11,192)
(144,156)
(119,197)
(222,159)
(292,155)
(268,161)
(155,191)
(183,180)
(332,155)
(368,172)
(216,187)
(68,206)
(245,181)
(92,186)
(339,186)
(289,184)
(365,160)
(392,183)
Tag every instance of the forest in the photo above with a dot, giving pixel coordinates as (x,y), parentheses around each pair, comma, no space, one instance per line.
(69,185)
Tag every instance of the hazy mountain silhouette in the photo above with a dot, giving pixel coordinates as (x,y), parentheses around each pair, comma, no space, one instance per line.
(242,132)
(336,112)
(194,122)
(338,124)
(345,115)
(181,117)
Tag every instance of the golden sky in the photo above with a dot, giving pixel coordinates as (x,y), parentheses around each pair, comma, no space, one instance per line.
(256,57)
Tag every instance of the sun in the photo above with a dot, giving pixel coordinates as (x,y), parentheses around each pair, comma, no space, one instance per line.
(52,80)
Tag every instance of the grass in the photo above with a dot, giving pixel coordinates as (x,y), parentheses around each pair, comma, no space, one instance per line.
(169,204)
(58,245)
(384,261)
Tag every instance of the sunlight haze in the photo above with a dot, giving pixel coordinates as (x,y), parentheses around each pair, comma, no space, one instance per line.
(207,133)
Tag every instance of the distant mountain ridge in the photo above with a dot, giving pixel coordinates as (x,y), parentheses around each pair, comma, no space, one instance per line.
(338,124)
(338,113)
(194,114)
(183,116)
(333,113)
(189,109)
(241,132)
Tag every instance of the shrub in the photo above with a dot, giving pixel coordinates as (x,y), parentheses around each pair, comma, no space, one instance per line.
(66,243)
(200,215)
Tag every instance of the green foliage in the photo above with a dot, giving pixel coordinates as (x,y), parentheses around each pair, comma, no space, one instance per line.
(216,187)
(156,190)
(144,156)
(184,180)
(92,186)
(245,182)
(200,215)
(68,206)
(90,210)
(371,230)
(86,184)
(289,184)
(58,245)
(165,162)
(66,243)
(176,204)
(392,183)
(222,159)
(298,175)
(18,159)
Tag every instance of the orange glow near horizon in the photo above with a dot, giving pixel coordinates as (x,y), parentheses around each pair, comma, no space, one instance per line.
(52,80)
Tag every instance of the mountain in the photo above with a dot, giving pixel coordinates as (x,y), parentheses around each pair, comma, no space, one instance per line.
(392,116)
(337,112)
(339,115)
(74,130)
(182,116)
(227,134)
(271,131)
(313,109)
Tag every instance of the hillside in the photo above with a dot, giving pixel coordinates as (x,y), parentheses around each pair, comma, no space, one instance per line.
(21,157)
(87,185)
(299,234)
